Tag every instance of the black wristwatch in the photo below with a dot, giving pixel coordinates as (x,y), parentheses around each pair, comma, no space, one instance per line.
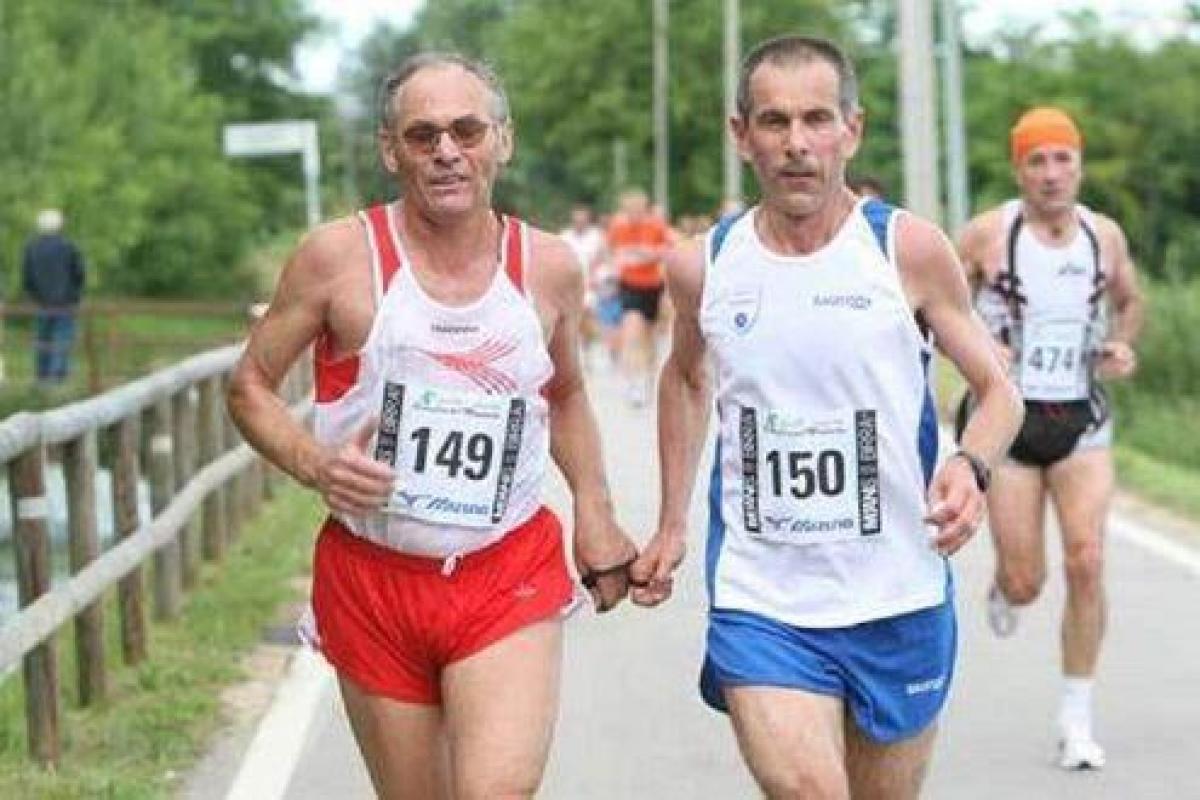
(982,472)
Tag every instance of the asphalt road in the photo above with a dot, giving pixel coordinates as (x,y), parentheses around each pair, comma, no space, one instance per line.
(632,726)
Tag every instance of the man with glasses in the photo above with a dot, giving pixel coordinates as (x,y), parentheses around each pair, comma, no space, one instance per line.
(445,342)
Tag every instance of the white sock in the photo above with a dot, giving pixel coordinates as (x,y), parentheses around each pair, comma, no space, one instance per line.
(1075,712)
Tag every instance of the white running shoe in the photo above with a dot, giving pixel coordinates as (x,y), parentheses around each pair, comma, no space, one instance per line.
(1079,751)
(1002,616)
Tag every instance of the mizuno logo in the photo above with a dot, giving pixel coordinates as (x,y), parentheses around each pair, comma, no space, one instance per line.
(408,499)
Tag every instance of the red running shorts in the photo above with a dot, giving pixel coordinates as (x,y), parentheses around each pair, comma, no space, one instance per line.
(390,622)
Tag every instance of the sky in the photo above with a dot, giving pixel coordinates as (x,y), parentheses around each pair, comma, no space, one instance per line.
(349,21)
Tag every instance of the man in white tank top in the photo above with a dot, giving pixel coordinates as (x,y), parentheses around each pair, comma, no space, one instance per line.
(1057,286)
(446,339)
(831,633)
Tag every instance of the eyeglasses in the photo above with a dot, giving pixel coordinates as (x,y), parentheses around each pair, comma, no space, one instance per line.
(466,132)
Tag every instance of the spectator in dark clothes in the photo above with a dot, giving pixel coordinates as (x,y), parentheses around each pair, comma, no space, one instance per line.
(53,279)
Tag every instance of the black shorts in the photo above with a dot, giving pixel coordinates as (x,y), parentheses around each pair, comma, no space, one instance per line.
(1050,432)
(640,301)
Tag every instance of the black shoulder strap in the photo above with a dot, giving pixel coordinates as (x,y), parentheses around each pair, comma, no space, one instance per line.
(1008,283)
(1099,279)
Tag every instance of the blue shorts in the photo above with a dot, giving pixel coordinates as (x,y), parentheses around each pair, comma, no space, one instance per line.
(608,311)
(894,674)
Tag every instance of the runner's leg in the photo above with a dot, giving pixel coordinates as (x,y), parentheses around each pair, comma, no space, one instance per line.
(401,743)
(792,741)
(1016,513)
(1082,487)
(887,771)
(501,705)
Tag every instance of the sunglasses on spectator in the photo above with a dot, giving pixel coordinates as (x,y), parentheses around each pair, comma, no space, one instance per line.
(466,132)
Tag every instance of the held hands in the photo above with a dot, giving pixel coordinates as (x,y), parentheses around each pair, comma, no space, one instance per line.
(1116,360)
(350,481)
(651,574)
(603,555)
(956,506)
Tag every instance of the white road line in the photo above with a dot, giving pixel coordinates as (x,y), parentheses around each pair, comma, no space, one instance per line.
(1135,533)
(271,758)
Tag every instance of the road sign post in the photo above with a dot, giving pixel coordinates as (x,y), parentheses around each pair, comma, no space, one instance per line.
(285,137)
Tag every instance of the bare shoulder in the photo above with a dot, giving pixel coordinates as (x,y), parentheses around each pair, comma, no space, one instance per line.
(555,273)
(550,252)
(919,242)
(684,264)
(927,262)
(1111,235)
(325,253)
(981,232)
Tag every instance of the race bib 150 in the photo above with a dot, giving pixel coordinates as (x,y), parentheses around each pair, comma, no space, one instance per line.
(810,479)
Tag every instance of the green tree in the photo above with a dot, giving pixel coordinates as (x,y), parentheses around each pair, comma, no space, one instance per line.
(127,141)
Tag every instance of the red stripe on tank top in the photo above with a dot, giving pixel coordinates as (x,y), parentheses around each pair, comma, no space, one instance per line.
(385,244)
(513,247)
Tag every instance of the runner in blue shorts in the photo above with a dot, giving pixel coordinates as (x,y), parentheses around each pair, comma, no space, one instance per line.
(831,637)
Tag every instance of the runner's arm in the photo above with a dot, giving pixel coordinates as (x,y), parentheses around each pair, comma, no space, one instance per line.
(600,545)
(296,314)
(684,407)
(1118,357)
(938,290)
(972,249)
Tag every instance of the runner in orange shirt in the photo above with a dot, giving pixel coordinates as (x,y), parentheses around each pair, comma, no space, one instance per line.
(637,240)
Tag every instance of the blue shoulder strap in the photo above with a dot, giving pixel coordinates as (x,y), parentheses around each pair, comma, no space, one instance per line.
(720,231)
(879,214)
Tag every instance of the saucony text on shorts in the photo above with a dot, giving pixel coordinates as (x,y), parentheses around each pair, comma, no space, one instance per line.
(893,674)
(391,622)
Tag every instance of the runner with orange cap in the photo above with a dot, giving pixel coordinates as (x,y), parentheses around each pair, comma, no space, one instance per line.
(1055,284)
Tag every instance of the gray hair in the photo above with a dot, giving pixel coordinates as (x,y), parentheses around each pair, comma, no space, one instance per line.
(49,220)
(396,79)
(793,50)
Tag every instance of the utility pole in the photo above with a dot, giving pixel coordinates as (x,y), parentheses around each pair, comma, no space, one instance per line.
(958,203)
(918,112)
(620,170)
(661,152)
(733,57)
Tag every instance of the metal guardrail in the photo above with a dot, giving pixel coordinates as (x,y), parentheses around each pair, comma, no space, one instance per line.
(203,484)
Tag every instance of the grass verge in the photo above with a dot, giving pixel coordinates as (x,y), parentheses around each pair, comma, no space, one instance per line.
(1168,485)
(160,714)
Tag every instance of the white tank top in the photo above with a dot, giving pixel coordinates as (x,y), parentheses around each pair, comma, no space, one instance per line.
(827,434)
(1047,305)
(458,393)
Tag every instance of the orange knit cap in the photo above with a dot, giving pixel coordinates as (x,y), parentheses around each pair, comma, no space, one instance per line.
(1041,126)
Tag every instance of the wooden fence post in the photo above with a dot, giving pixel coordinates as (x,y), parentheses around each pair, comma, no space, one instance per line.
(184,419)
(126,520)
(32,546)
(211,433)
(235,488)
(80,463)
(167,579)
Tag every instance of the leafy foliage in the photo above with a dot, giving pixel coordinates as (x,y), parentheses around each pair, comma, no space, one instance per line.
(113,113)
